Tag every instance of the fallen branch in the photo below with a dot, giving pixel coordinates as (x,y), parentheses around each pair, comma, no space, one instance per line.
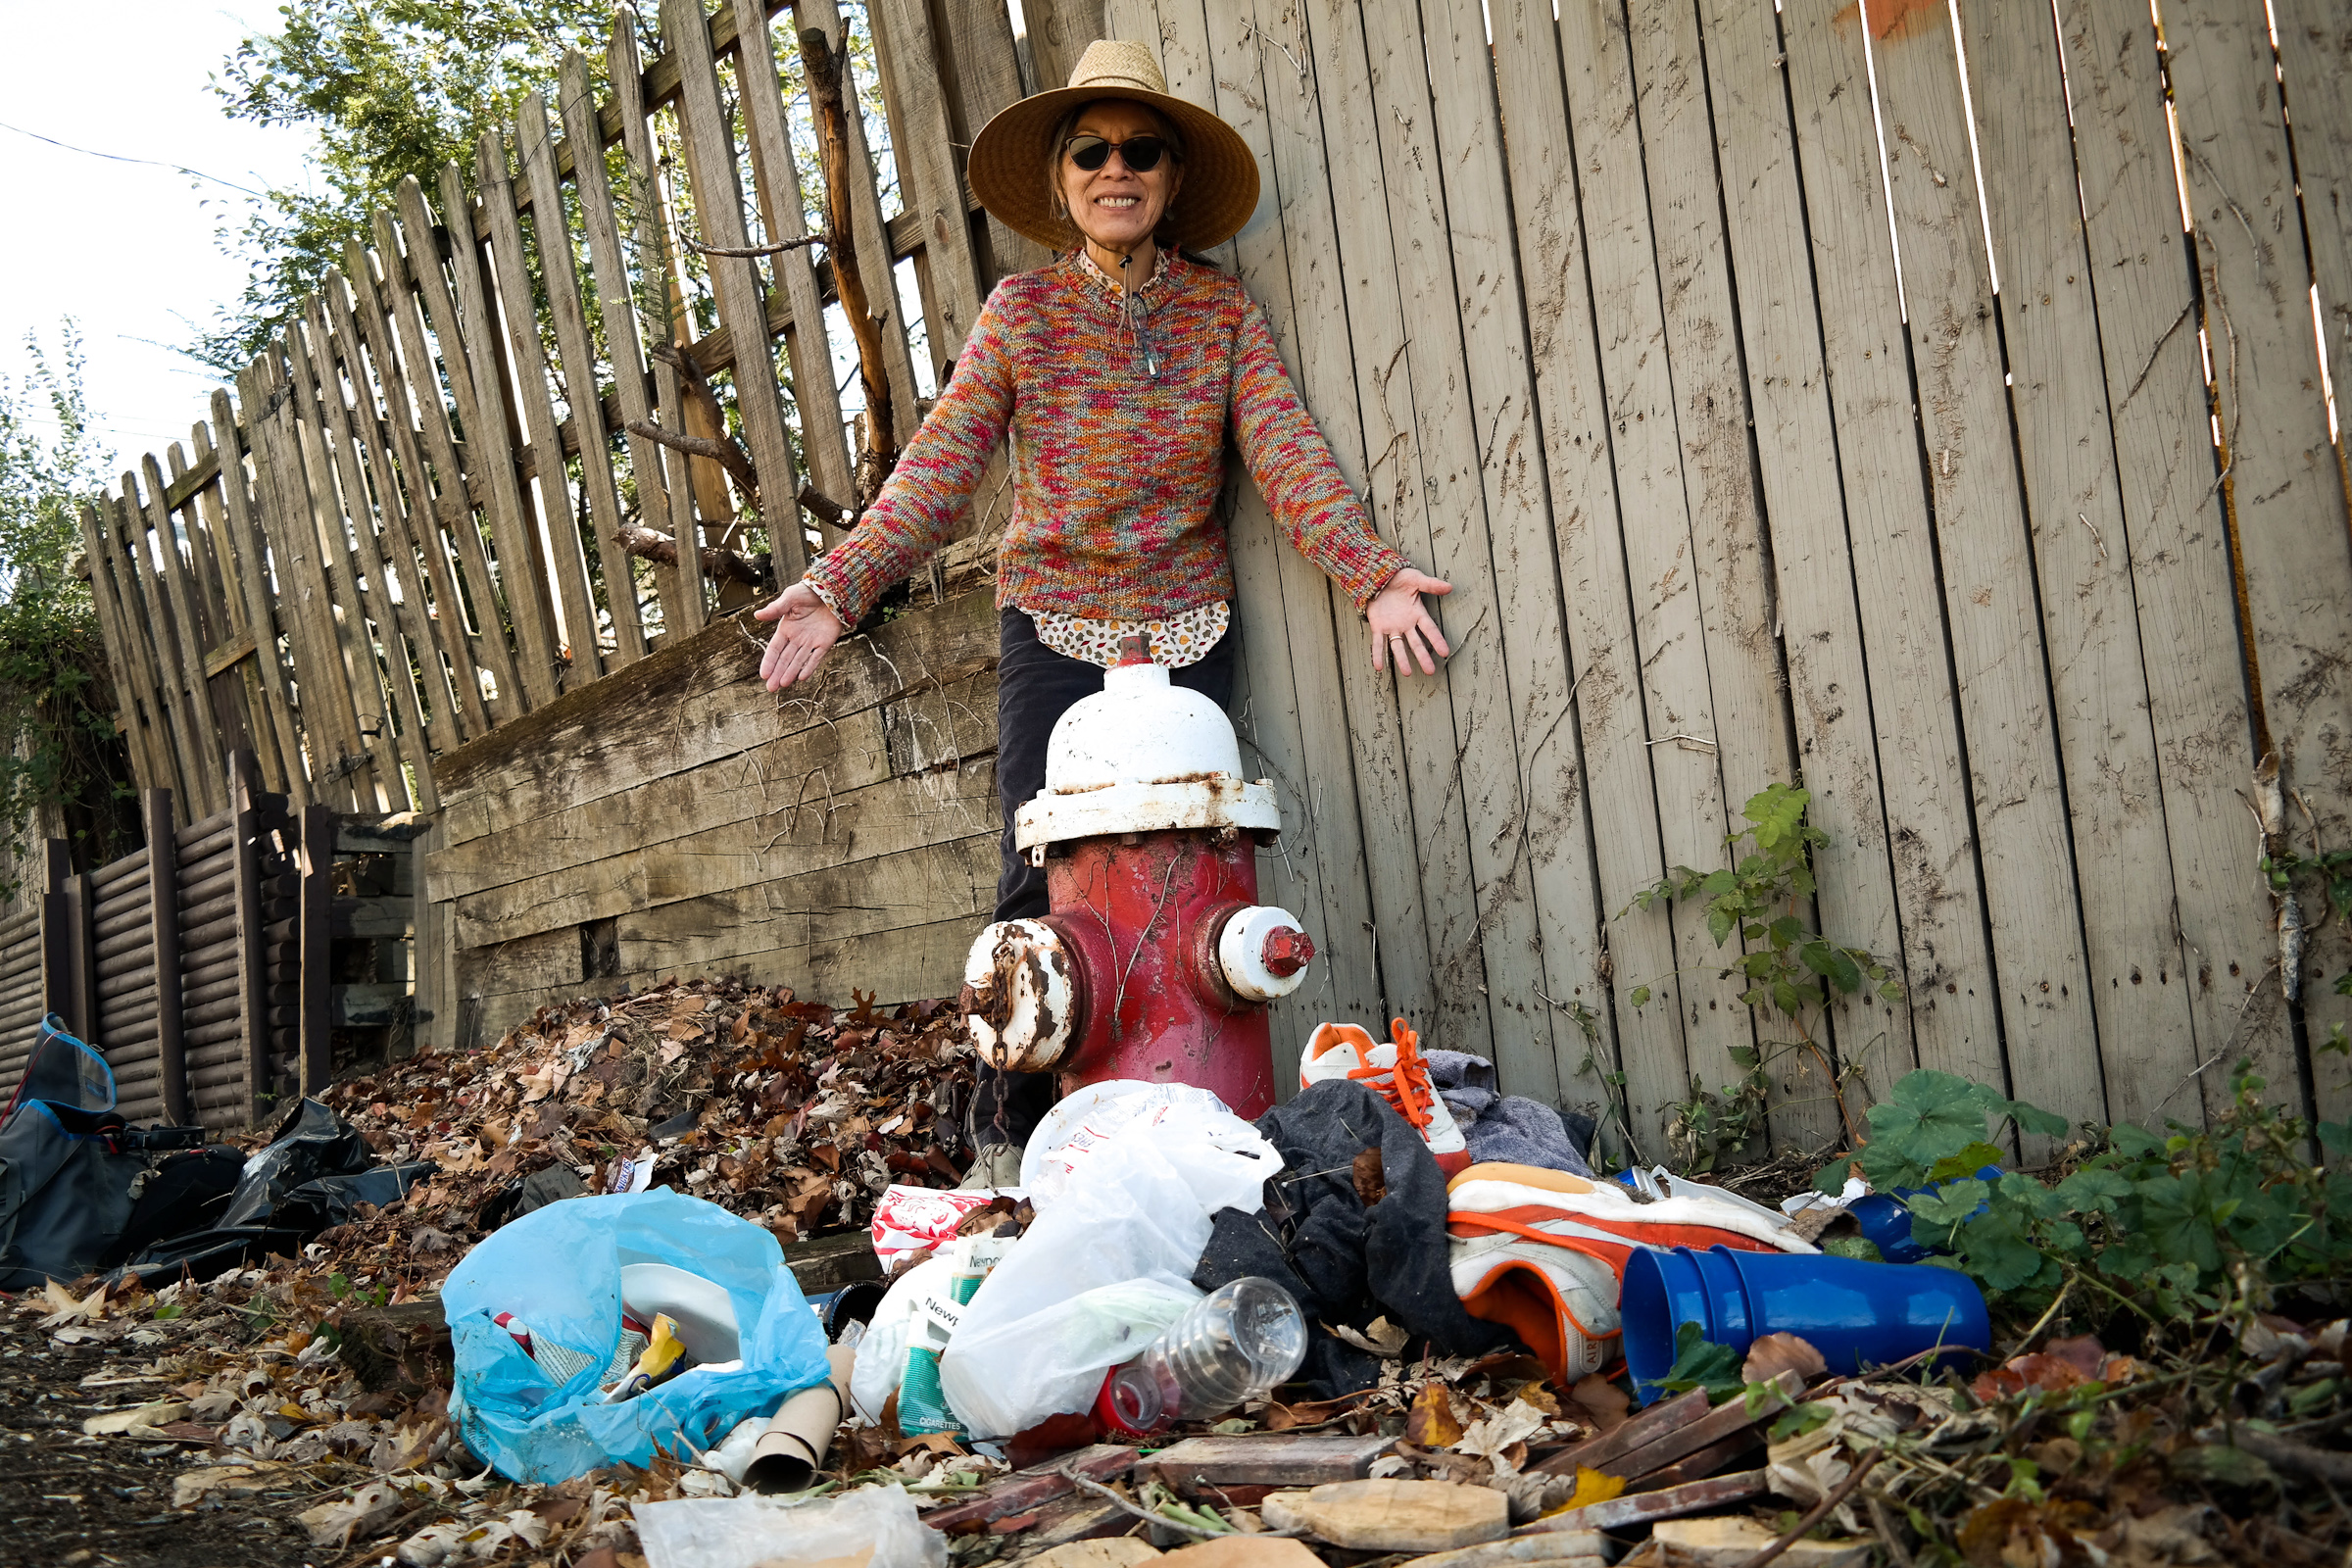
(1821,1510)
(754,251)
(826,73)
(717,563)
(820,506)
(2281,1453)
(728,455)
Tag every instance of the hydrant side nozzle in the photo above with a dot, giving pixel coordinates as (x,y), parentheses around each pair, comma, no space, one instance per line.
(1022,996)
(1263,952)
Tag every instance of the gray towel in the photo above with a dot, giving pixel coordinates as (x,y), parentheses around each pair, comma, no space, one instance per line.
(1505,1129)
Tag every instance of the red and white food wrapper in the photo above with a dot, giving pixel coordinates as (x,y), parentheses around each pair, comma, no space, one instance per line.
(908,1219)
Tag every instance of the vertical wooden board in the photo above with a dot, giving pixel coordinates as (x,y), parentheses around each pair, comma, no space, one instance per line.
(2282,488)
(567,558)
(163,935)
(468,329)
(253,980)
(1527,661)
(1296,714)
(1060,30)
(876,261)
(1590,780)
(261,732)
(2032,901)
(457,688)
(1954,1010)
(1400,415)
(1670,711)
(199,726)
(338,506)
(2082,552)
(2179,541)
(615,313)
(224,693)
(559,267)
(929,181)
(124,666)
(234,444)
(1747,682)
(2315,52)
(408,283)
(719,210)
(681,585)
(280,509)
(332,723)
(987,65)
(157,633)
(809,352)
(315,858)
(1818,624)
(398,627)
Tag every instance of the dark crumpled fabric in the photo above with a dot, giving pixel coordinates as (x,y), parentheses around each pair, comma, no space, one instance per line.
(1505,1129)
(1347,1263)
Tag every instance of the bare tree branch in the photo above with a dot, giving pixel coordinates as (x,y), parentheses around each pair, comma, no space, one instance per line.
(826,73)
(654,544)
(820,506)
(754,251)
(728,454)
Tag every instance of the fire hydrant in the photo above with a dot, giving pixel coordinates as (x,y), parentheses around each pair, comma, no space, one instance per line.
(1156,960)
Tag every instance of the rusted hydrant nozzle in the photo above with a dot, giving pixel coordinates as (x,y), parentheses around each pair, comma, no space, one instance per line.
(1156,960)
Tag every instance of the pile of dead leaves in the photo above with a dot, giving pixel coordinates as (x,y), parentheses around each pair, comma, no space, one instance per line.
(794,1115)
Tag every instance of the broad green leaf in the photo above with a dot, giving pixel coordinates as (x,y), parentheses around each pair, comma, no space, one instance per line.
(1719,924)
(2092,1192)
(1966,1162)
(1699,1363)
(1640,997)
(1948,1205)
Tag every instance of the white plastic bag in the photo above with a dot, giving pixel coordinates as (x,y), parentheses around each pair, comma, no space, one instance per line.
(1089,1117)
(1107,1266)
(756,1532)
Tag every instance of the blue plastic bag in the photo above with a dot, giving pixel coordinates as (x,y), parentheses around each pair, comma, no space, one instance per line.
(558,1270)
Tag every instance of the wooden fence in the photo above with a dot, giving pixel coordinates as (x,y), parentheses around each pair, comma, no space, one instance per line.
(1798,391)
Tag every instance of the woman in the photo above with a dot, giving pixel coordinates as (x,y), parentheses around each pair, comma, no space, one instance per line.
(1119,372)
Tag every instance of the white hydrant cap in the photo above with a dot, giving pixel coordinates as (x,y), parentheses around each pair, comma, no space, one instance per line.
(1141,755)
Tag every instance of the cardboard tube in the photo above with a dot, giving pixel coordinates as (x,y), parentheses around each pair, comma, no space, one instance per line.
(794,1444)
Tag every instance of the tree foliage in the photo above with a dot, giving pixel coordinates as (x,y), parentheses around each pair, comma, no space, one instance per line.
(392,88)
(59,750)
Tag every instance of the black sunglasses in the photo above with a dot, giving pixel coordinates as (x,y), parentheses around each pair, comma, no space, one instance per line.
(1141,154)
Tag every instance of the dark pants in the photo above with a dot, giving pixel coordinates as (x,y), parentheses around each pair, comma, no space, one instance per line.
(1035,687)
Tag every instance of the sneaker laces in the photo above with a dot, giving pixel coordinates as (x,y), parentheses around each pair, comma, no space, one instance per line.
(1407,1087)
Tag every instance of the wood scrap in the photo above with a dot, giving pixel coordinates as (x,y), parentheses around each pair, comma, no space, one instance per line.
(1392,1515)
(1273,1459)
(1025,1491)
(1641,1507)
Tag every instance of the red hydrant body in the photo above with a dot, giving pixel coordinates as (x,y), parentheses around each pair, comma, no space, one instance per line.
(1157,962)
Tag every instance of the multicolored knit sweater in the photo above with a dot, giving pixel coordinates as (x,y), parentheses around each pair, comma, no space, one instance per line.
(1115,470)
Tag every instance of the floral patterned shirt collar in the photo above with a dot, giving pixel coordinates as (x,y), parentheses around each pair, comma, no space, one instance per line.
(1111,285)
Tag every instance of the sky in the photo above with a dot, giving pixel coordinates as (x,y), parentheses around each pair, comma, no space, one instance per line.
(127,250)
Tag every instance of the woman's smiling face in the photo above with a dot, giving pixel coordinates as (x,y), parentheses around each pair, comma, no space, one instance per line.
(1114,206)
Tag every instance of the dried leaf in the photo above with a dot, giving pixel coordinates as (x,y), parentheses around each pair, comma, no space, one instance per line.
(66,1308)
(1590,1487)
(1496,1434)
(1604,1401)
(1430,1423)
(1776,1354)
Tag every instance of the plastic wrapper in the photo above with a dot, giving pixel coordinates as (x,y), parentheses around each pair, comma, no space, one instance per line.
(876,1527)
(909,1219)
(1103,1269)
(560,1270)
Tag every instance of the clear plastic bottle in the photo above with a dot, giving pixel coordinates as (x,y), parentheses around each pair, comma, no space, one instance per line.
(1234,1345)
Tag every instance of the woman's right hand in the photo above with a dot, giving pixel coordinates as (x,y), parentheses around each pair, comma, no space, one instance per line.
(805,631)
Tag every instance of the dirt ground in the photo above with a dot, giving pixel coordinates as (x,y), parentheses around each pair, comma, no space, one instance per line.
(67,1500)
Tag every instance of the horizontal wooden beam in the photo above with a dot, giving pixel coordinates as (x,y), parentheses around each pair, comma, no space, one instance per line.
(229,655)
(188,485)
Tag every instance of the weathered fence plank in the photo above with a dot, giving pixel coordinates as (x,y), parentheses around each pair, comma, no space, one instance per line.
(2000,667)
(1947,965)
(245,541)
(2281,487)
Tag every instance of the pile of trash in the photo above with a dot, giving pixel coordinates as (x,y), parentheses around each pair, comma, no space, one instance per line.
(574,1335)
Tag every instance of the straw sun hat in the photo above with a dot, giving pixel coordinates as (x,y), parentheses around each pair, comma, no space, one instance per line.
(1014,154)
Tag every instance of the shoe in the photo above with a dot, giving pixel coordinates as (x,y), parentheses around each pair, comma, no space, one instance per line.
(1542,1252)
(1397,1072)
(995,1165)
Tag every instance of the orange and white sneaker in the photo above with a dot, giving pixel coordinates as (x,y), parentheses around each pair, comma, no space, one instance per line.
(1397,1072)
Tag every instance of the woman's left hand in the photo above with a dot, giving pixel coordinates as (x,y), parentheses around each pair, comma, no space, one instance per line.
(1401,625)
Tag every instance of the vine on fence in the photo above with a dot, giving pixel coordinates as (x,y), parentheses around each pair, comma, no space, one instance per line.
(1790,968)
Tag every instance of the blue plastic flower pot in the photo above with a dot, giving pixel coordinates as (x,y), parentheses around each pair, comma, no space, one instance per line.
(1857,1314)
(1661,1292)
(1860,1314)
(1886,1220)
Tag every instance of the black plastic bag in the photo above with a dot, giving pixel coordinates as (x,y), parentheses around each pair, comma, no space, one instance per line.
(309,1143)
